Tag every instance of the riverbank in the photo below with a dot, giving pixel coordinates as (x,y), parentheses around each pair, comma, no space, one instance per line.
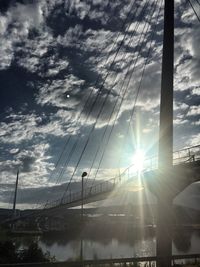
(106,242)
(129,262)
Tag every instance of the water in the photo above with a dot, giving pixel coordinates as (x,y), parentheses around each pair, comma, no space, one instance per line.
(110,244)
(97,250)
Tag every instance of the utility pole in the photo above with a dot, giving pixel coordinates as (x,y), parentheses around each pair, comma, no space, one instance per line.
(165,158)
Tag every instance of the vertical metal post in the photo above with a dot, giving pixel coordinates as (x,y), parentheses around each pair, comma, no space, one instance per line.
(70,195)
(82,196)
(15,196)
(81,252)
(165,160)
(82,188)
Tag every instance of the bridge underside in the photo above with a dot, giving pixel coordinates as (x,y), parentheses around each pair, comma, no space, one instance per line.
(77,203)
(172,182)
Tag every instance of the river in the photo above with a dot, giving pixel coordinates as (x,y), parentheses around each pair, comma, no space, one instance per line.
(105,244)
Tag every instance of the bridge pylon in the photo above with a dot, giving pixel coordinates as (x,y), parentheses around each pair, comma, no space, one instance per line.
(166,185)
(165,156)
(170,180)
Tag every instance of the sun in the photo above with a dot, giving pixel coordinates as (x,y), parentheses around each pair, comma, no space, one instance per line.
(138,160)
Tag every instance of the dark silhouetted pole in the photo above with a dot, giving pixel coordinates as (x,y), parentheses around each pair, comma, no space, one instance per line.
(82,196)
(15,195)
(166,105)
(165,159)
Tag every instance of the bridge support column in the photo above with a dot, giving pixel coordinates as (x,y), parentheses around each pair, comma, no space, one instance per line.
(166,185)
(164,210)
(164,231)
(165,190)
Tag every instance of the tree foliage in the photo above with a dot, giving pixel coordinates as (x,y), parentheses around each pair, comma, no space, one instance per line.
(9,254)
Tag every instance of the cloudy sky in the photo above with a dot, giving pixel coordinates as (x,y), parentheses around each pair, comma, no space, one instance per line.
(80,88)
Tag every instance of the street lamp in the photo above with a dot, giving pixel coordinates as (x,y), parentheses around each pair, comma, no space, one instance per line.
(84,174)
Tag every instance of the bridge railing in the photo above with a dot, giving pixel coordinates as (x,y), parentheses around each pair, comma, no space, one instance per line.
(186,155)
(181,156)
(88,192)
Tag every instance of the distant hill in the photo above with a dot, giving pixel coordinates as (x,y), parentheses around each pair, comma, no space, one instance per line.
(182,215)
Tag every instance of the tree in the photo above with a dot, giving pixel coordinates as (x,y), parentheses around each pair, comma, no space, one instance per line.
(34,254)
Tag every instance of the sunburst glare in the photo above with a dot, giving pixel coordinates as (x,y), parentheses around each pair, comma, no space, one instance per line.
(138,160)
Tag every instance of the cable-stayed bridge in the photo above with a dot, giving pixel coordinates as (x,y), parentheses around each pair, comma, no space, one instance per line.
(183,160)
(166,175)
(186,168)
(155,8)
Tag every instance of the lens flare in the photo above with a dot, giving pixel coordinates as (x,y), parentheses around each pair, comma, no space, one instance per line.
(138,160)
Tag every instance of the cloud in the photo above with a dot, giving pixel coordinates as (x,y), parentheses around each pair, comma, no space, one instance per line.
(15,26)
(56,93)
(27,127)
(62,73)
(194,140)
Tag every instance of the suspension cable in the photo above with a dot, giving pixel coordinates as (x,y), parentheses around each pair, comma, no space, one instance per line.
(96,83)
(93,127)
(194,10)
(139,87)
(73,148)
(126,91)
(118,49)
(96,99)
(75,145)
(143,33)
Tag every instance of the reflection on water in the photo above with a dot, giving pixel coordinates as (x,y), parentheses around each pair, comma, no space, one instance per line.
(102,246)
(110,244)
(182,241)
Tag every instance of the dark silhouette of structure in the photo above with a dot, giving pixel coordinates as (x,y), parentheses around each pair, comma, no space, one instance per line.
(168,180)
(165,156)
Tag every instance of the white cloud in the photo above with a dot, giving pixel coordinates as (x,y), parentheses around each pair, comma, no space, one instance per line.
(194,110)
(180,106)
(56,93)
(81,8)
(14,150)
(194,140)
(64,86)
(196,91)
(26,127)
(30,14)
(15,26)
(187,58)
(179,121)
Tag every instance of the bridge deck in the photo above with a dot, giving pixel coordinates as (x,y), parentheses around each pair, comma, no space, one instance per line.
(186,170)
(186,161)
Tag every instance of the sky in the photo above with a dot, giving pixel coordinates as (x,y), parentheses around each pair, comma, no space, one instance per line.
(80,89)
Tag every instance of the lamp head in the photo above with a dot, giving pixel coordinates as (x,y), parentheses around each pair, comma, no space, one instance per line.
(84,174)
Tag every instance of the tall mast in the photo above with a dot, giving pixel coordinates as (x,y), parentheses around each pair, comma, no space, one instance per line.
(166,105)
(165,156)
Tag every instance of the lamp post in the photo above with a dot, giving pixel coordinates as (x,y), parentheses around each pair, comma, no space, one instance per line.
(84,174)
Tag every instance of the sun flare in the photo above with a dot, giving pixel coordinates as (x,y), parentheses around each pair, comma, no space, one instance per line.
(138,160)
